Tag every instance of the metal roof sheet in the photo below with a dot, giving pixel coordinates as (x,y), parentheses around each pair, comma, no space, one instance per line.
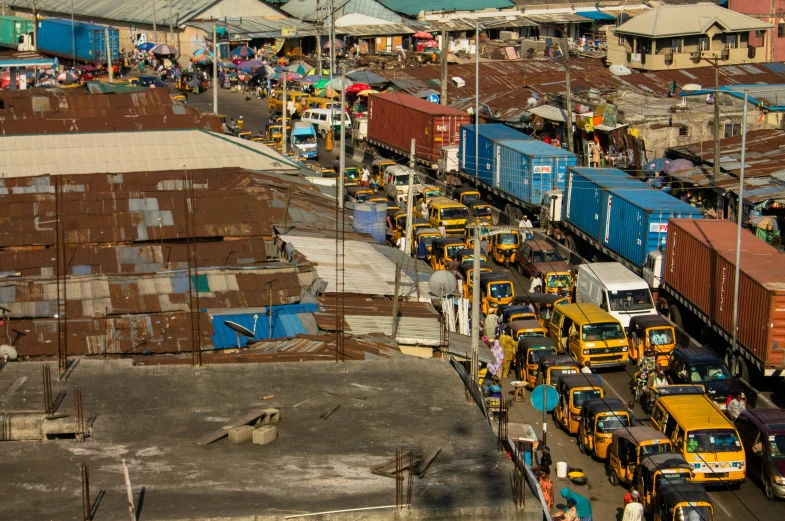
(549,112)
(411,330)
(414,7)
(75,154)
(139,11)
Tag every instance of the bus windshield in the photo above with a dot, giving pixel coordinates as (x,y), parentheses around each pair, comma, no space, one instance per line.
(303,139)
(602,331)
(578,397)
(558,281)
(453,213)
(611,423)
(630,299)
(713,440)
(501,290)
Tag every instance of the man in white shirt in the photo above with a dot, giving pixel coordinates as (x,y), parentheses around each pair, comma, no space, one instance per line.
(586,368)
(525,223)
(536,284)
(634,509)
(401,244)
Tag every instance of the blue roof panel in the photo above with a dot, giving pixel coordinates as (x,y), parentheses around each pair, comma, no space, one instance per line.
(498,131)
(413,7)
(597,15)
(534,147)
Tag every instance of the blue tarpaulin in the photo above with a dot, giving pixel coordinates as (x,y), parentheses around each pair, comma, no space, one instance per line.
(596,15)
(287,322)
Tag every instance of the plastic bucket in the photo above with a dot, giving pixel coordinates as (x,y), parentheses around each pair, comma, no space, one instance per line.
(561,469)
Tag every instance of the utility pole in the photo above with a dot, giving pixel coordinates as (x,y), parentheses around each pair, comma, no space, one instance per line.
(171,26)
(477,108)
(342,153)
(717,121)
(410,200)
(332,38)
(318,39)
(215,68)
(739,211)
(155,25)
(283,111)
(395,300)
(567,84)
(109,56)
(476,305)
(443,97)
(73,33)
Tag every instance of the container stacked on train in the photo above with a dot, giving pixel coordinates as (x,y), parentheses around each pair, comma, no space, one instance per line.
(700,264)
(512,162)
(55,38)
(623,214)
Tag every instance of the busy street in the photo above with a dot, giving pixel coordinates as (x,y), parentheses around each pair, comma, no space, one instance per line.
(280,260)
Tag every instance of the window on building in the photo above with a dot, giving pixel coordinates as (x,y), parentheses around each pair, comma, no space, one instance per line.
(703,43)
(760,34)
(781,30)
(730,41)
(732,129)
(621,39)
(684,130)
(676,45)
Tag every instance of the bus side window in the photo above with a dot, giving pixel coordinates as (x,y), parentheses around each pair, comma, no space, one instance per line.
(567,328)
(670,428)
(658,416)
(556,319)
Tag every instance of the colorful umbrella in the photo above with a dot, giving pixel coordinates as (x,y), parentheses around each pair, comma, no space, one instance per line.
(249,65)
(321,84)
(202,59)
(339,84)
(289,76)
(311,79)
(243,51)
(297,68)
(677,165)
(227,65)
(357,87)
(163,50)
(326,93)
(67,77)
(338,44)
(367,92)
(202,51)
(145,46)
(238,61)
(656,165)
(422,34)
(314,72)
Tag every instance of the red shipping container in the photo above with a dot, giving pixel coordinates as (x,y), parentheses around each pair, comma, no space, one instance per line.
(395,118)
(699,265)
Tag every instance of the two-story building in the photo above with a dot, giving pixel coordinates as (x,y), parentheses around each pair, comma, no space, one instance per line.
(687,36)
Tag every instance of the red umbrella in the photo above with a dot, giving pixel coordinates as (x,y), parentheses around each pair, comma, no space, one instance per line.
(430,43)
(422,34)
(357,87)
(238,61)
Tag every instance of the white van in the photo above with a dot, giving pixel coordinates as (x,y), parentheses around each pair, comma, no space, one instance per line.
(324,120)
(615,289)
(396,183)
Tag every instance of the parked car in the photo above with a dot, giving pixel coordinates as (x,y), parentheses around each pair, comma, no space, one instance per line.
(762,431)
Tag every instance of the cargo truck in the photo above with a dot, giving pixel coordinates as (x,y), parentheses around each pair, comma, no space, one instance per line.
(12,31)
(55,38)
(607,212)
(395,118)
(699,279)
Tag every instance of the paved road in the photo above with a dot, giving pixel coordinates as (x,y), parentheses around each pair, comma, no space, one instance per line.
(745,502)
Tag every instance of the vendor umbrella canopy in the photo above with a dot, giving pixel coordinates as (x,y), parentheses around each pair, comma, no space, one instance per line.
(430,43)
(227,65)
(146,46)
(314,72)
(163,50)
(298,68)
(326,93)
(422,34)
(656,165)
(339,84)
(677,165)
(243,51)
(202,51)
(357,87)
(238,61)
(311,79)
(367,92)
(289,76)
(321,84)
(338,44)
(249,65)
(202,59)
(67,77)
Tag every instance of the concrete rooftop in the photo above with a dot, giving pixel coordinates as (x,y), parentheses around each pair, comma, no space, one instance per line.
(151,416)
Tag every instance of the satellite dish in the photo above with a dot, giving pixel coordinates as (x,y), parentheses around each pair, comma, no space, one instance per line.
(620,70)
(442,283)
(8,352)
(691,87)
(242,330)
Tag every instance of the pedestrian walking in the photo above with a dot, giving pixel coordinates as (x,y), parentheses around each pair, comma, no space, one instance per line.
(489,327)
(545,460)
(631,410)
(737,405)
(634,509)
(582,505)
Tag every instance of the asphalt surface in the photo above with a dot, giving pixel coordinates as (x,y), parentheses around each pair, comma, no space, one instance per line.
(742,502)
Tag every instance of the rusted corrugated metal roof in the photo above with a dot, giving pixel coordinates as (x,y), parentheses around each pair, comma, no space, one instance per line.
(49,110)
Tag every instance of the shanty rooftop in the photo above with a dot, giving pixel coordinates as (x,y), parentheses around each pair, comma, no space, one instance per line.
(152,417)
(143,151)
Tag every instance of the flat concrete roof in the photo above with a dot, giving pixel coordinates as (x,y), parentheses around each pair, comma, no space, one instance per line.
(151,416)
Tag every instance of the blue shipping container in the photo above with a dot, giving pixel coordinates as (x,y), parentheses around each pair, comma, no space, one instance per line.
(487,158)
(56,37)
(527,169)
(625,215)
